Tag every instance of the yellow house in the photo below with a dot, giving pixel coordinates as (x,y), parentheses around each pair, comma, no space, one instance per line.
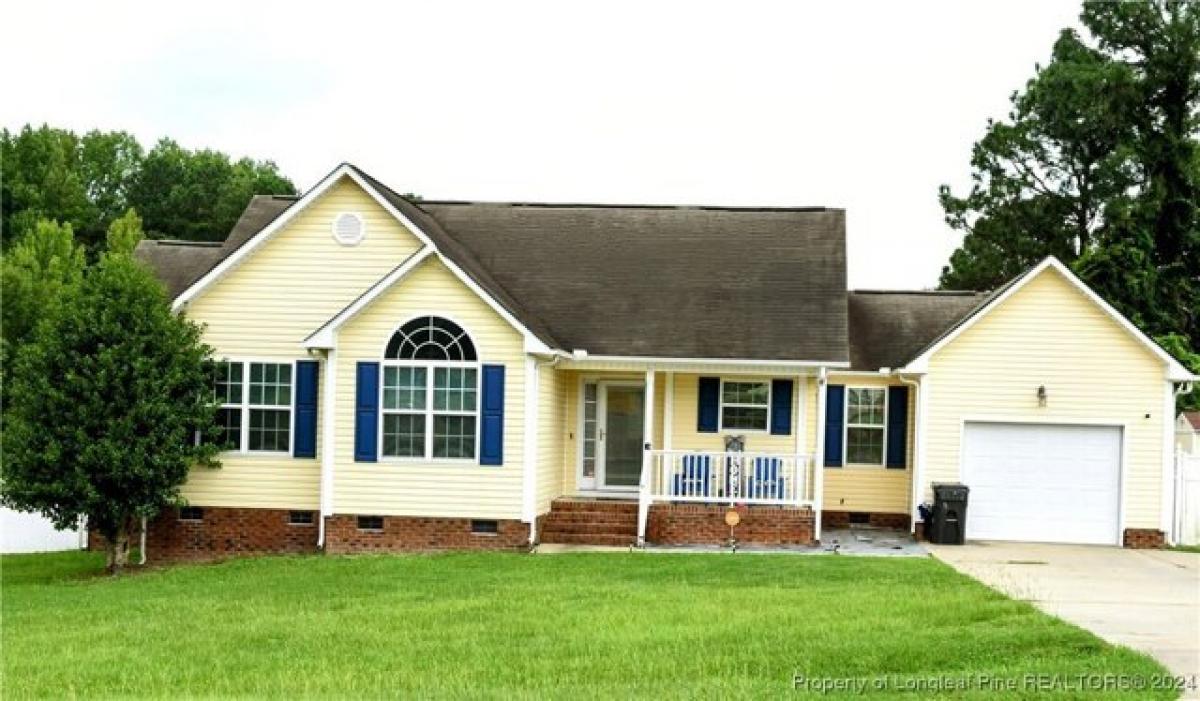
(402,375)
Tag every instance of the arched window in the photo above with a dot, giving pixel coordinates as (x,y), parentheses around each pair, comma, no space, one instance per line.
(430,338)
(430,402)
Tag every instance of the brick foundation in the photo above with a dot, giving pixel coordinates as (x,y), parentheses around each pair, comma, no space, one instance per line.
(222,533)
(413,533)
(1144,538)
(841,519)
(704,524)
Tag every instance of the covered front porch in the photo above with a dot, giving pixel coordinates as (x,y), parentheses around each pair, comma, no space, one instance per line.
(679,447)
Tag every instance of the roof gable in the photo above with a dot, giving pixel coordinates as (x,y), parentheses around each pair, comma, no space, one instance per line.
(241,243)
(1049,266)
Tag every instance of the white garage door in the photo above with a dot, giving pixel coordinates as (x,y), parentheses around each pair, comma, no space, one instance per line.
(1043,482)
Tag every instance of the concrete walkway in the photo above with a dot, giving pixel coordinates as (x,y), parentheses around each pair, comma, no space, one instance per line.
(1148,600)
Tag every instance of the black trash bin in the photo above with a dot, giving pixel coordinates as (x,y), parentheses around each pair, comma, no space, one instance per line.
(949,517)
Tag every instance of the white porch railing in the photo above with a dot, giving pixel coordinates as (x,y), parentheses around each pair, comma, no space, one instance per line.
(719,477)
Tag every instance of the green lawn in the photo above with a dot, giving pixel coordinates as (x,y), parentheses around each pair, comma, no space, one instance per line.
(504,626)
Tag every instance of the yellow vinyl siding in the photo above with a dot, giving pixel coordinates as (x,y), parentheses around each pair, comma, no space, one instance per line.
(872,488)
(551,435)
(414,487)
(1048,333)
(267,305)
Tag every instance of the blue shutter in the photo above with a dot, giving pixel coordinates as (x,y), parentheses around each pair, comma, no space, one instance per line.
(366,413)
(491,442)
(835,413)
(781,407)
(304,445)
(709,402)
(897,426)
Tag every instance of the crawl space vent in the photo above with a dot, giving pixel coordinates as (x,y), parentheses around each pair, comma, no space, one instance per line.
(348,228)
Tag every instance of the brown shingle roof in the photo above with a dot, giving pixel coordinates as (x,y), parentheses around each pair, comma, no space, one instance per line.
(690,282)
(639,280)
(890,328)
(180,263)
(1193,418)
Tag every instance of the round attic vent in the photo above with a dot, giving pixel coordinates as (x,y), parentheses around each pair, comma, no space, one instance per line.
(349,228)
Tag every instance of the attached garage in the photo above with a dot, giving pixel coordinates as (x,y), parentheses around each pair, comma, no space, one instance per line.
(1039,482)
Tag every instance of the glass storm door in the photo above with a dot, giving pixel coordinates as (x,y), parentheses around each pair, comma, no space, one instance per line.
(619,435)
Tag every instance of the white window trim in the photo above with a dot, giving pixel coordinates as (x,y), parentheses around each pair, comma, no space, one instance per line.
(246,406)
(846,428)
(721,404)
(429,412)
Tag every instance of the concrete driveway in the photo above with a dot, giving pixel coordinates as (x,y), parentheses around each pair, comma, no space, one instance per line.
(1148,600)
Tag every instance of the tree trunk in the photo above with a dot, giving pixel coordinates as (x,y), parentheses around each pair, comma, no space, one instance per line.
(118,548)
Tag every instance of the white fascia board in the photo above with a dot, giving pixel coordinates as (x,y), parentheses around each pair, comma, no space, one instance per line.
(1175,371)
(533,344)
(326,335)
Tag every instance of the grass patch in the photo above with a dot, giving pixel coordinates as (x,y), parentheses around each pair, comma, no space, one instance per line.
(1186,548)
(510,625)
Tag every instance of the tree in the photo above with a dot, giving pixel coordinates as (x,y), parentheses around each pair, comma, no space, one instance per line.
(1098,164)
(107,398)
(91,180)
(1045,180)
(37,272)
(198,195)
(42,181)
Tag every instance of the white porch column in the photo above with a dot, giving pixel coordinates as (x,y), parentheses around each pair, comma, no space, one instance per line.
(647,444)
(668,408)
(328,441)
(529,449)
(819,459)
(802,435)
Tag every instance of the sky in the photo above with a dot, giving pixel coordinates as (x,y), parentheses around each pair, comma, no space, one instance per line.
(866,106)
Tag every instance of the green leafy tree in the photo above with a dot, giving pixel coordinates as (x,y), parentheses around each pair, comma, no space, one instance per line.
(91,180)
(1098,164)
(42,180)
(198,195)
(106,400)
(36,274)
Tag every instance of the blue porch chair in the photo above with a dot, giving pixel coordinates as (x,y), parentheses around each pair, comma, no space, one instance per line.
(692,480)
(766,481)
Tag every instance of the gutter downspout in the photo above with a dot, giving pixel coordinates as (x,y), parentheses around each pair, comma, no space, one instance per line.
(328,418)
(918,488)
(533,383)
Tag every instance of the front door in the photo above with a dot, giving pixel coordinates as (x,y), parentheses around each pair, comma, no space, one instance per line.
(619,439)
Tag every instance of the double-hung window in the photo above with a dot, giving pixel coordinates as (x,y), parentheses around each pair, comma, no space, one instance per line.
(745,405)
(255,413)
(430,388)
(865,425)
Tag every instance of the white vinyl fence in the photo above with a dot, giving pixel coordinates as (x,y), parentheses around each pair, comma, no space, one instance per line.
(1187,499)
(22,532)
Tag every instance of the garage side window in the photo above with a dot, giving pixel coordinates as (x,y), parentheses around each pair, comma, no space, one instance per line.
(865,421)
